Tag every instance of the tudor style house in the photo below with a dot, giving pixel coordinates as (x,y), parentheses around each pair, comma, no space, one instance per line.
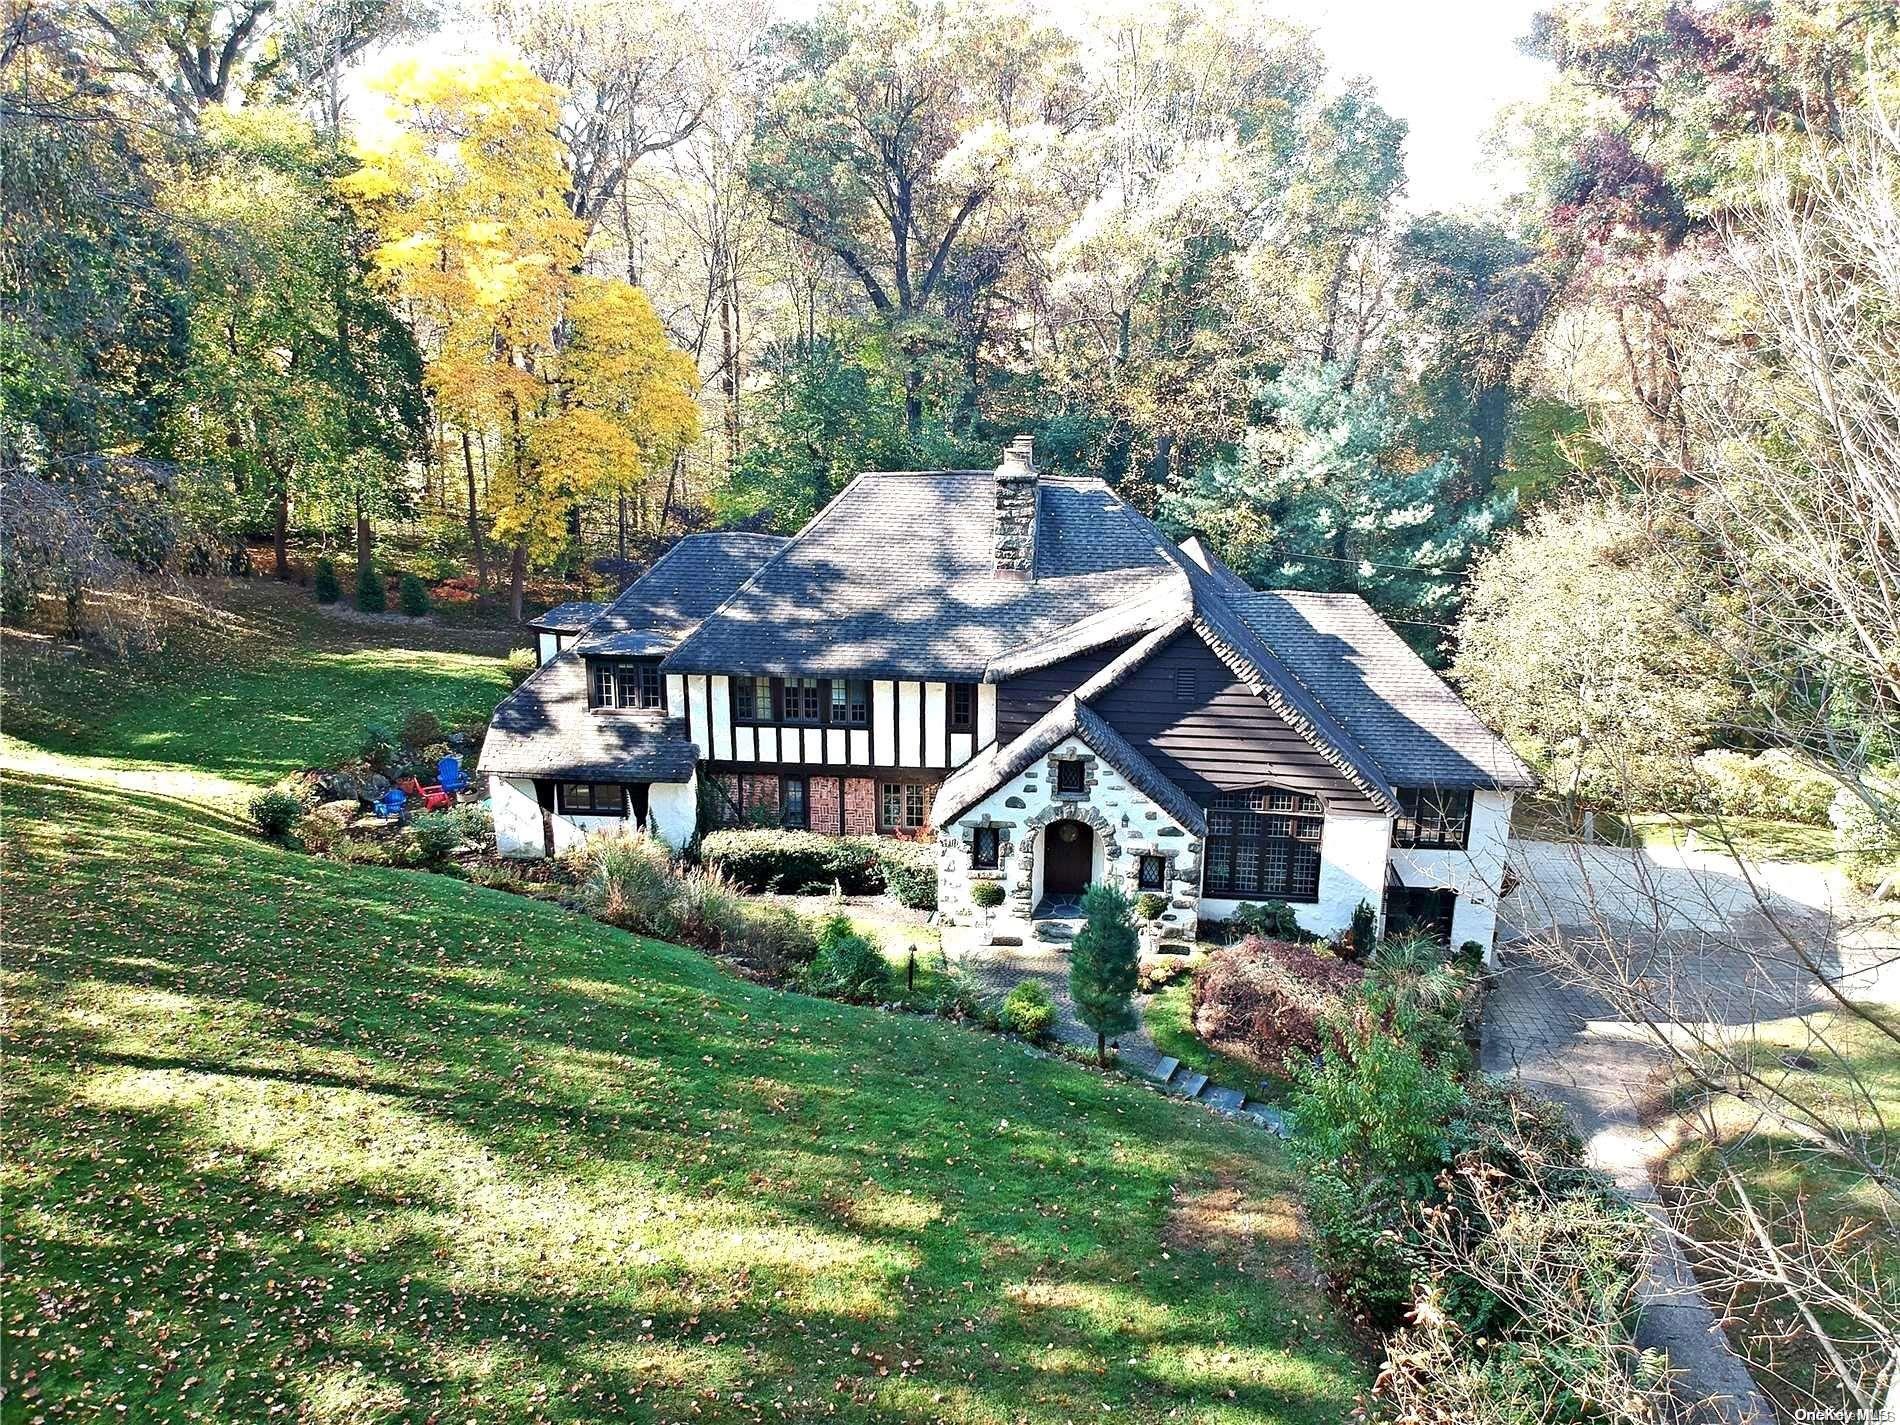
(1021,668)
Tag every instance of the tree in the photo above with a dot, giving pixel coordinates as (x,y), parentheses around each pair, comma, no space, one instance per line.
(1102,965)
(892,125)
(571,373)
(1578,643)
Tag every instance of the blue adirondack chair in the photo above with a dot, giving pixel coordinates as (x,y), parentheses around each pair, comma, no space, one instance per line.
(449,775)
(391,802)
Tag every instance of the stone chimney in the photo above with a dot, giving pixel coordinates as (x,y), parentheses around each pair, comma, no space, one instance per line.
(1016,511)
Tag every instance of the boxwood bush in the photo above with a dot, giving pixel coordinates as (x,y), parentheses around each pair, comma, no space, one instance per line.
(987,894)
(769,859)
(909,871)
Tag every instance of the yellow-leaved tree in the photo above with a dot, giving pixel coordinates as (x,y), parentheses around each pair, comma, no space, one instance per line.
(571,374)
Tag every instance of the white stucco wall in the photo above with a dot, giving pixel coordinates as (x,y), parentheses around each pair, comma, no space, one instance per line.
(1476,873)
(1127,826)
(517,817)
(672,810)
(1352,858)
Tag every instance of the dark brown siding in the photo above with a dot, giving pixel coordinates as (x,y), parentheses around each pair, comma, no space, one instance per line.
(1223,739)
(1021,701)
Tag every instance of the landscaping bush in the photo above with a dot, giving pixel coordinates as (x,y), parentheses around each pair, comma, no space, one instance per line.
(706,911)
(1421,993)
(277,810)
(328,590)
(1148,905)
(787,861)
(1029,1010)
(847,966)
(438,833)
(773,941)
(1103,970)
(421,728)
(909,872)
(955,993)
(1270,920)
(1263,1001)
(412,597)
(1772,784)
(630,882)
(379,748)
(987,895)
(519,665)
(318,835)
(371,596)
(1869,848)
(1362,932)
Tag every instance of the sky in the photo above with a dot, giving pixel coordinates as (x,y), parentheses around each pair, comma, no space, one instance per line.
(1445,68)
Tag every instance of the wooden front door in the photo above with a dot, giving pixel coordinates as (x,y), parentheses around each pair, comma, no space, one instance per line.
(1068,851)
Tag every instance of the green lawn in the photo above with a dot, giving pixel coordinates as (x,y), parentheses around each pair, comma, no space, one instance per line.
(1857,1082)
(1755,838)
(289,1138)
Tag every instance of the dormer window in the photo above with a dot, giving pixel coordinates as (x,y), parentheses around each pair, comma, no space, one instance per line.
(634,684)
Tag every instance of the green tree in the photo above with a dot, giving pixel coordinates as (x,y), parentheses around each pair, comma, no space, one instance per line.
(372,597)
(1102,965)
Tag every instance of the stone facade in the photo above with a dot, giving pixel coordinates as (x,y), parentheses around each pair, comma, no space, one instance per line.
(1016,513)
(1127,825)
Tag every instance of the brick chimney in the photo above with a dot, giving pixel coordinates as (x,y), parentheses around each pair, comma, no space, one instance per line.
(1016,511)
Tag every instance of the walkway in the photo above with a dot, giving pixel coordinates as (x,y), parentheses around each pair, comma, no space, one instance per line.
(1571,1045)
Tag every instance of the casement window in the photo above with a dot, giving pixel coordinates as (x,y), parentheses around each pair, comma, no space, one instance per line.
(1434,819)
(963,707)
(593,799)
(986,844)
(602,695)
(901,806)
(850,702)
(794,804)
(751,699)
(639,684)
(1069,775)
(1152,873)
(1263,844)
(803,700)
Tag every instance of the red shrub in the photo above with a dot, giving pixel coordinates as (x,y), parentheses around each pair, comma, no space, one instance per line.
(1261,1000)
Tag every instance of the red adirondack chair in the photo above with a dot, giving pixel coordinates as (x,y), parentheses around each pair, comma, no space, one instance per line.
(432,798)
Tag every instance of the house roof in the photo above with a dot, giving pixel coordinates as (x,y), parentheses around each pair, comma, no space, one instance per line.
(544,728)
(1070,718)
(1405,717)
(567,618)
(896,579)
(685,584)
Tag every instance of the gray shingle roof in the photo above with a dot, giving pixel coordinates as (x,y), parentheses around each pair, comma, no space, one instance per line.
(997,763)
(686,583)
(896,578)
(544,728)
(568,618)
(1418,731)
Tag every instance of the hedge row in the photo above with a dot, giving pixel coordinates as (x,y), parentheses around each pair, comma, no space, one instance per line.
(809,862)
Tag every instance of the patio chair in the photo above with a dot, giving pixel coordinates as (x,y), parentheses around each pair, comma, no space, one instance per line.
(392,802)
(432,798)
(451,777)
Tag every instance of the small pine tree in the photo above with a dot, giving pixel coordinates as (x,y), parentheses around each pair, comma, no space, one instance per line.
(1102,965)
(371,597)
(413,597)
(327,589)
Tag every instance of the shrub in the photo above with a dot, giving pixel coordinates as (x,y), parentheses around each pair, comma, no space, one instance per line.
(362,851)
(1772,784)
(1149,905)
(1263,1001)
(1869,847)
(783,861)
(378,750)
(1029,1010)
(956,994)
(847,966)
(909,872)
(318,835)
(412,597)
(706,911)
(371,596)
(519,665)
(774,941)
(420,729)
(1421,994)
(631,882)
(328,590)
(437,833)
(1365,925)
(276,811)
(1271,920)
(1102,965)
(987,895)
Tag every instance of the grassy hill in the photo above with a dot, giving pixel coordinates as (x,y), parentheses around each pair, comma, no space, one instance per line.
(294,1139)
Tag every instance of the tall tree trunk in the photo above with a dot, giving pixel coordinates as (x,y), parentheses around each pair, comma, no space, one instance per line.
(474,519)
(623,526)
(280,532)
(913,401)
(729,357)
(517,580)
(363,549)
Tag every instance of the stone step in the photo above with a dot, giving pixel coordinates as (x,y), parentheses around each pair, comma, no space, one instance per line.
(1162,1071)
(1269,1118)
(1226,1100)
(1188,1085)
(1056,932)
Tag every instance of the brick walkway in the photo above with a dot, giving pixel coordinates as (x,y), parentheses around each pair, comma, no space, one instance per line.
(1570,1044)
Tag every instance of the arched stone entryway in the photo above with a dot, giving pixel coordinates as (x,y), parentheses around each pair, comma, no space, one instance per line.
(1068,858)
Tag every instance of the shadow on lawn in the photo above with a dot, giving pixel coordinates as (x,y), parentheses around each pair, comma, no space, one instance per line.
(466,1153)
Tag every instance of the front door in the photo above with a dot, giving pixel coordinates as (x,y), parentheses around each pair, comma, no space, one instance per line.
(1068,851)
